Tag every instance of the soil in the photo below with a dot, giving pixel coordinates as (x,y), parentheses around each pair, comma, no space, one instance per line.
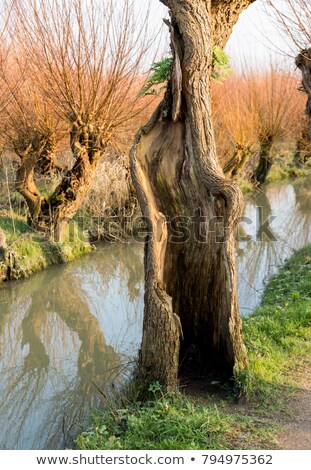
(294,422)
(296,434)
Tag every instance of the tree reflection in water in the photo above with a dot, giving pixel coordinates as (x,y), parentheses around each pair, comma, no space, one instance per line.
(54,348)
(260,257)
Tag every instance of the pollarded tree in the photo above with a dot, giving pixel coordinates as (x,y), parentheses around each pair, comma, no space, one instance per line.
(191,209)
(279,109)
(234,123)
(8,81)
(294,18)
(303,62)
(85,57)
(32,131)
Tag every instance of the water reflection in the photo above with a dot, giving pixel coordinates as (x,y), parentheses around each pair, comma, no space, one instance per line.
(288,209)
(63,331)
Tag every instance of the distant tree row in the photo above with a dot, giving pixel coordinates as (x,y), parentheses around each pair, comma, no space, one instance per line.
(70,75)
(256,113)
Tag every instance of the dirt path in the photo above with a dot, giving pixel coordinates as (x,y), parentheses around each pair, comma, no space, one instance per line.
(294,425)
(297,429)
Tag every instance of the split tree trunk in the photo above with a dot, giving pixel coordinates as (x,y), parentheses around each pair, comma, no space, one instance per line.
(26,186)
(303,62)
(191,210)
(34,148)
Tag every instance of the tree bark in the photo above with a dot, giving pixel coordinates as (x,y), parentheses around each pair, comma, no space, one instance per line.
(265,161)
(52,215)
(8,259)
(33,147)
(191,211)
(87,147)
(303,146)
(303,150)
(303,62)
(48,164)
(3,254)
(237,162)
(3,261)
(26,186)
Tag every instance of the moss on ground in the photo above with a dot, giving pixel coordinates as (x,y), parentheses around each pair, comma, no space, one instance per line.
(33,251)
(278,339)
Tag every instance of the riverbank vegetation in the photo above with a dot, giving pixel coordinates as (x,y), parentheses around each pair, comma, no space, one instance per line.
(30,251)
(278,341)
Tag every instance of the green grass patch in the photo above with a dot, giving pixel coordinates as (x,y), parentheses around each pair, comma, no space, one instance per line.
(278,334)
(246,186)
(284,168)
(14,227)
(34,251)
(172,422)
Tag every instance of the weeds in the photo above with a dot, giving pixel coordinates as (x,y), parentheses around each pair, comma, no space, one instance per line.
(174,422)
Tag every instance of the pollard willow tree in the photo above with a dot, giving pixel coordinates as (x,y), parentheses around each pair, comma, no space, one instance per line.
(191,209)
(84,56)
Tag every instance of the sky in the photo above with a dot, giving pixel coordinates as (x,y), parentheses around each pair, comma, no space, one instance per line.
(255,38)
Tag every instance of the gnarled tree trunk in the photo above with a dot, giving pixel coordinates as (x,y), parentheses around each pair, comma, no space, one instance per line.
(238,160)
(265,160)
(303,151)
(26,186)
(52,215)
(191,210)
(87,147)
(36,152)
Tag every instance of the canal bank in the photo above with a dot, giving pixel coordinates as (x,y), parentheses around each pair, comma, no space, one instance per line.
(274,409)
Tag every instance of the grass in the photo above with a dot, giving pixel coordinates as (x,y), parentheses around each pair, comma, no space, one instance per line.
(172,421)
(283,168)
(278,334)
(33,251)
(278,339)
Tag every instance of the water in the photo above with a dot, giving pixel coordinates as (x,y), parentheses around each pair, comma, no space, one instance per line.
(288,208)
(63,333)
(74,329)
